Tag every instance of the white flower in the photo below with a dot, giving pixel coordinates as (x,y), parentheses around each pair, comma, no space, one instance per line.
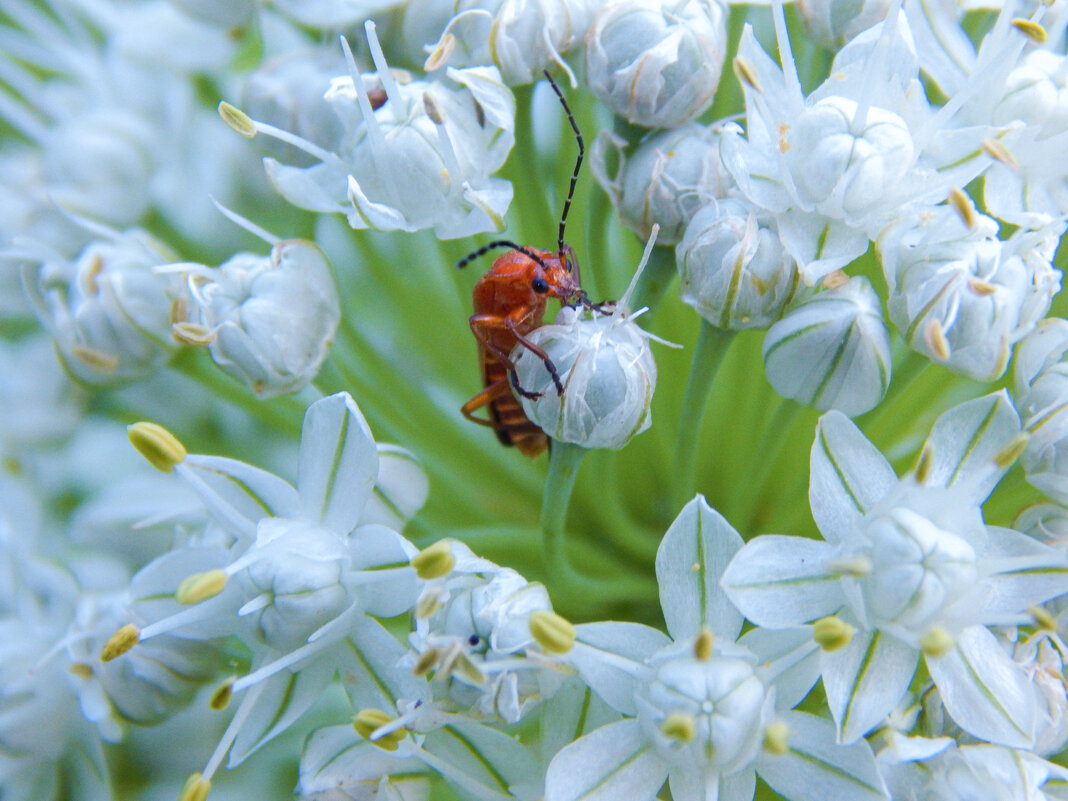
(267,320)
(733,268)
(472,629)
(421,155)
(832,350)
(836,166)
(108,310)
(665,180)
(961,296)
(910,564)
(301,581)
(699,711)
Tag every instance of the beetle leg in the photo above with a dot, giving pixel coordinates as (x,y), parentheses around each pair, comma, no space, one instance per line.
(480,322)
(498,389)
(541,354)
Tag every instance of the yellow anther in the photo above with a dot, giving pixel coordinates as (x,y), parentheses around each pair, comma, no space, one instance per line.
(158,445)
(835,280)
(426,662)
(367,721)
(193,334)
(777,738)
(552,632)
(679,727)
(935,338)
(237,119)
(981,287)
(832,633)
(702,646)
(936,641)
(200,586)
(1032,30)
(960,201)
(857,566)
(1043,619)
(196,788)
(924,465)
(81,670)
(121,641)
(434,561)
(220,699)
(997,151)
(97,359)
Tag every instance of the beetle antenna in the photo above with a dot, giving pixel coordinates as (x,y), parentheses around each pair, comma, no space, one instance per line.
(500,243)
(578,161)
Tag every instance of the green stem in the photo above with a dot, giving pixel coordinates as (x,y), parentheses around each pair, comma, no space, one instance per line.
(570,588)
(771,443)
(712,346)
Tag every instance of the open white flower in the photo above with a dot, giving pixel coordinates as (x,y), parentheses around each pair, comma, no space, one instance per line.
(911,566)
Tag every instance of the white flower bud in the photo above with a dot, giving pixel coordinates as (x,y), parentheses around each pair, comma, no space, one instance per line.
(412,155)
(1041,373)
(1047,522)
(108,310)
(961,296)
(734,270)
(608,375)
(665,180)
(832,23)
(832,351)
(528,36)
(657,62)
(268,320)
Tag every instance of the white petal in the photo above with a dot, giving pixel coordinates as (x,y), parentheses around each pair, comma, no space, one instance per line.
(865,680)
(338,463)
(985,692)
(778,581)
(395,588)
(278,702)
(848,476)
(965,442)
(610,764)
(689,786)
(787,658)
(368,662)
(335,757)
(572,711)
(318,188)
(238,495)
(611,659)
(483,761)
(817,769)
(1024,573)
(401,489)
(691,558)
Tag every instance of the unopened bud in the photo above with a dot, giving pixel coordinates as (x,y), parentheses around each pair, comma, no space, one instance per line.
(158,445)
